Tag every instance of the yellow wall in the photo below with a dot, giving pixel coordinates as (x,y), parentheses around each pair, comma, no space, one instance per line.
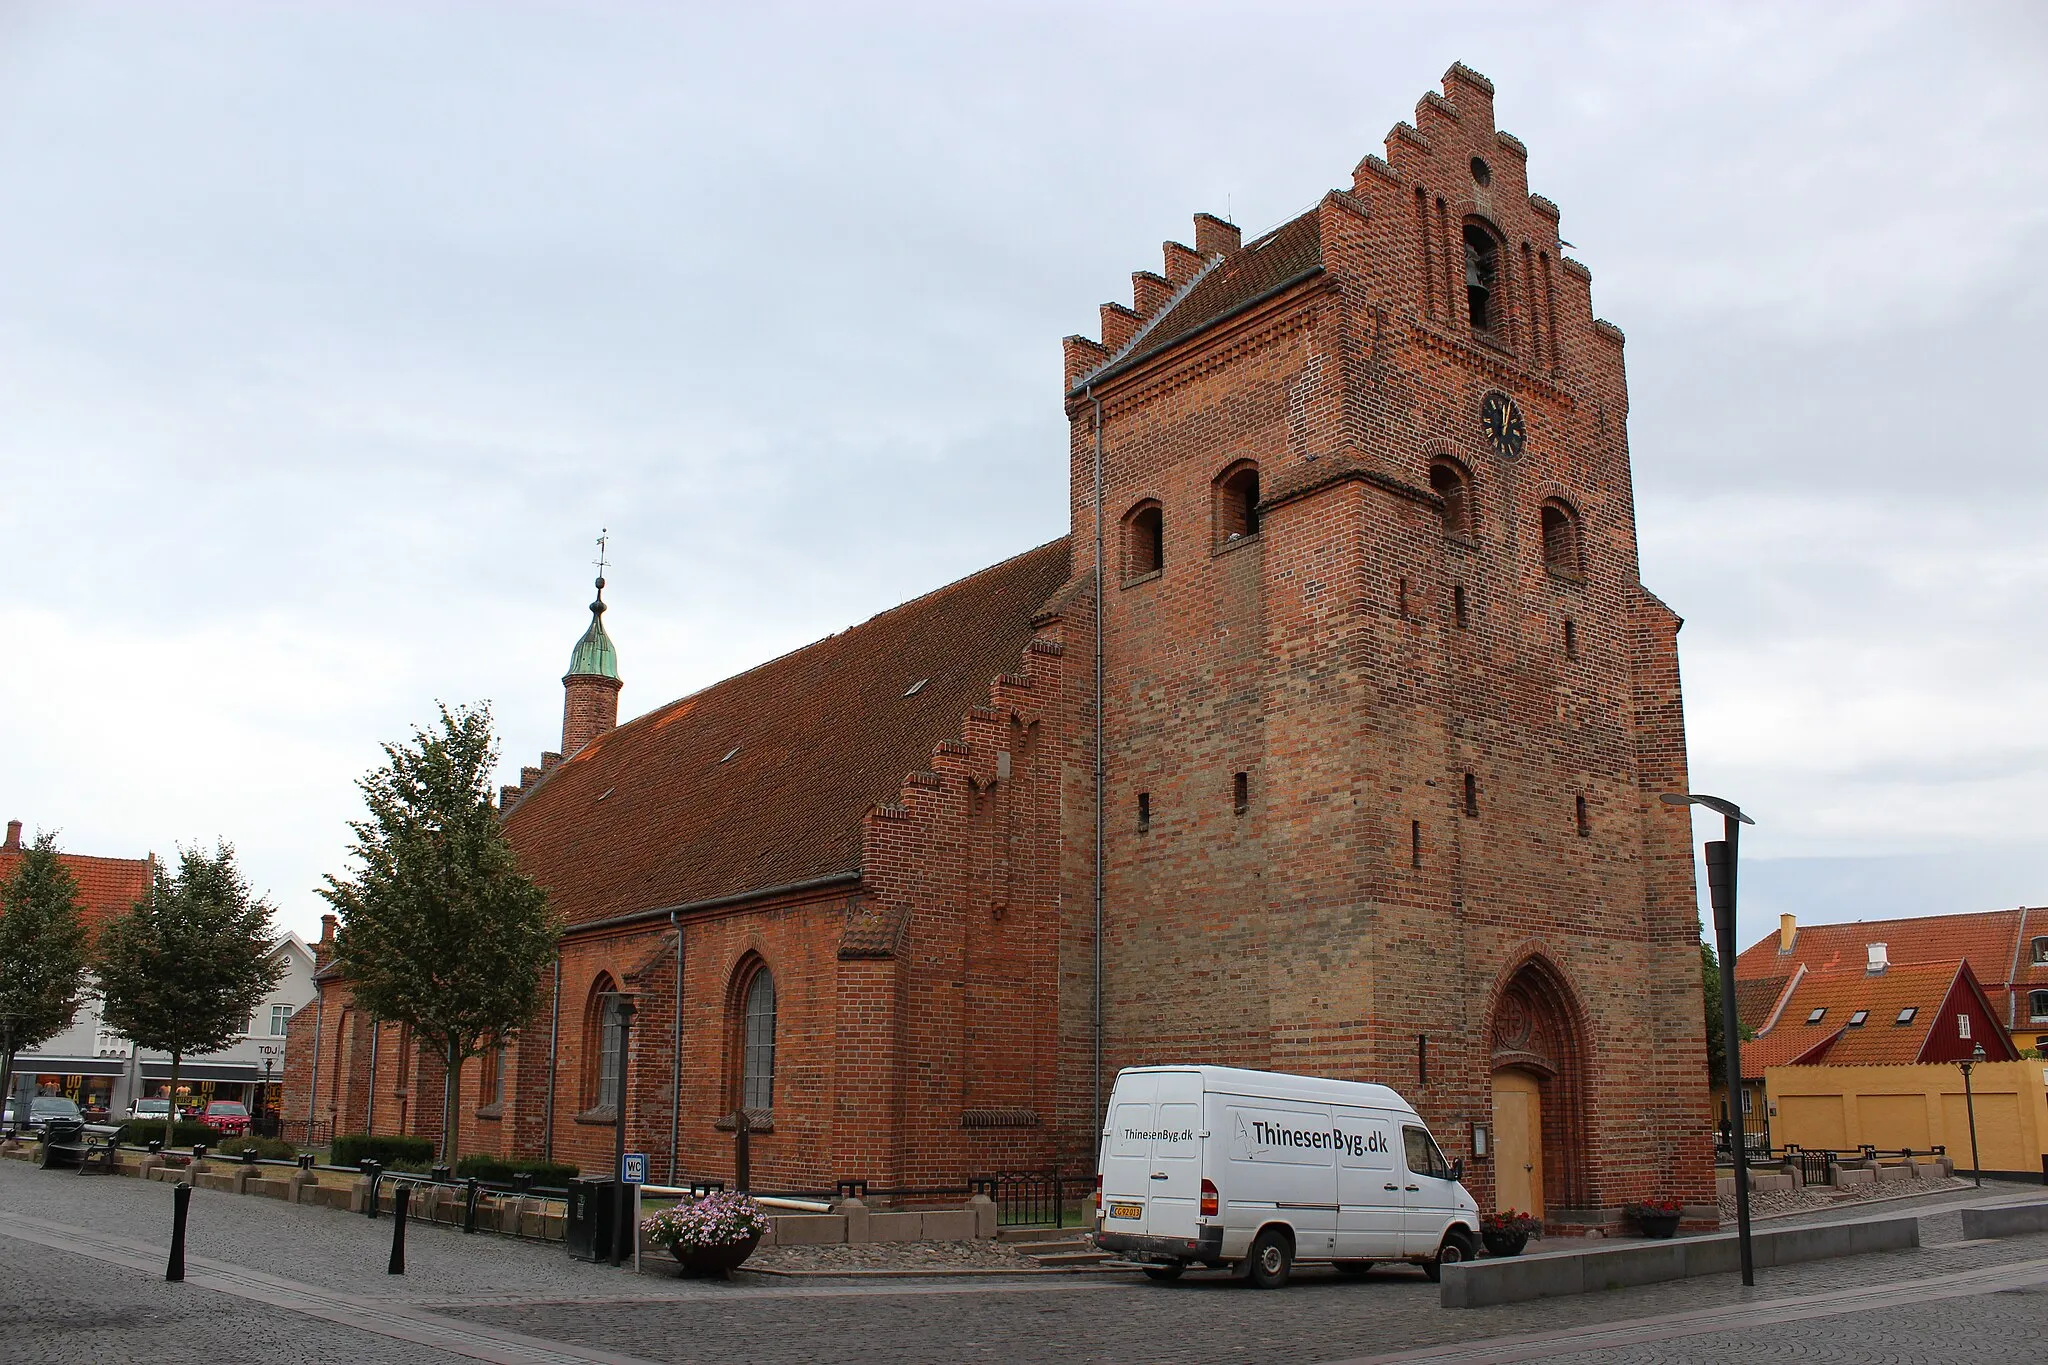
(1893,1107)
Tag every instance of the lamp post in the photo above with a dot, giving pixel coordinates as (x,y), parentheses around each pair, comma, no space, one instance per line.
(1970,1105)
(1721,866)
(623,1011)
(263,1106)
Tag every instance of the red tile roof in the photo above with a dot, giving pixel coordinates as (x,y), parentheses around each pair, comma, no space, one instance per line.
(106,886)
(762,780)
(1985,939)
(1879,1040)
(1755,998)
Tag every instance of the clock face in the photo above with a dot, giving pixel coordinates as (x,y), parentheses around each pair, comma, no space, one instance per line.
(1502,421)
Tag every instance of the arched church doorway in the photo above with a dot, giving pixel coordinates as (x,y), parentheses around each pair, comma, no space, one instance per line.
(1538,1093)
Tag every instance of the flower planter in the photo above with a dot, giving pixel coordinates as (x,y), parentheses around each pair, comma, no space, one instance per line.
(1658,1224)
(1504,1243)
(720,1261)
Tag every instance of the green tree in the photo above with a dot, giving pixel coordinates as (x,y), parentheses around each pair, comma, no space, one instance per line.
(42,953)
(439,929)
(182,971)
(1710,988)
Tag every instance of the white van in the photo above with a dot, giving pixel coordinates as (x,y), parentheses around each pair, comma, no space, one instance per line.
(1215,1166)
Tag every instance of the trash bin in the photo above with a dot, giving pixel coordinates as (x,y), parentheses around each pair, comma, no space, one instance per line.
(593,1207)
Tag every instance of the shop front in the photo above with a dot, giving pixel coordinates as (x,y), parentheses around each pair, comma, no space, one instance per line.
(199,1083)
(86,1081)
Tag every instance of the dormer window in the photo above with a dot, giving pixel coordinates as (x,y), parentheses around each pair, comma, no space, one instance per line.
(2037,1006)
(2041,950)
(1482,276)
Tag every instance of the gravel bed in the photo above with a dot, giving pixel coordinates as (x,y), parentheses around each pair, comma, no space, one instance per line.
(1772,1203)
(893,1256)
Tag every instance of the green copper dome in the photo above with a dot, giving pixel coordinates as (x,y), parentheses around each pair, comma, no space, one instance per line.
(594,655)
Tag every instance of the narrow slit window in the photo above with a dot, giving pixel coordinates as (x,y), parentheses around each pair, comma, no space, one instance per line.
(1461,609)
(1241,793)
(1471,794)
(1585,820)
(1144,811)
(1401,598)
(1415,843)
(1571,638)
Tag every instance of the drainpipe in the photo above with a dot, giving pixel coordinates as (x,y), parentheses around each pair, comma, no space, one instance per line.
(313,1089)
(675,1074)
(370,1109)
(547,1140)
(1101,605)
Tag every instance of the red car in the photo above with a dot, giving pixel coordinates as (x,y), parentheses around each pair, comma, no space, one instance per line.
(230,1118)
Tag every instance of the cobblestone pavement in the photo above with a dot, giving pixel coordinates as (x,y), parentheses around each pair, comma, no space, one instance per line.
(58,1305)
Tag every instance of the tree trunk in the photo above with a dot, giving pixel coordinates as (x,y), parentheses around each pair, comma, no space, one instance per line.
(7,1070)
(171,1106)
(451,1087)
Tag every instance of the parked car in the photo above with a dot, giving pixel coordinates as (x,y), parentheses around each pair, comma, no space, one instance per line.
(42,1109)
(158,1108)
(230,1118)
(95,1112)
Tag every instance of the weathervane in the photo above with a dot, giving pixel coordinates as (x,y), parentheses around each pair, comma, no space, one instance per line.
(604,534)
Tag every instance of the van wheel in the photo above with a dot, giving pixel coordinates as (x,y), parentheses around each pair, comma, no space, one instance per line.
(1456,1248)
(1271,1259)
(1163,1272)
(1355,1269)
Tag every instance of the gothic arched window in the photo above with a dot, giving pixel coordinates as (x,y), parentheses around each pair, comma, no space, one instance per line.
(601,1046)
(757,1041)
(1144,540)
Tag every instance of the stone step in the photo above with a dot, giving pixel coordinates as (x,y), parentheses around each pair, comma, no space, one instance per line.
(1072,1241)
(1060,1258)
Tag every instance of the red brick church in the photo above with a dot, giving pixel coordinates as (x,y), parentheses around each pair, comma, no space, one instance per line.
(1370,790)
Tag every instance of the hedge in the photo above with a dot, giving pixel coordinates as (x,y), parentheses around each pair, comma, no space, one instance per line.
(500,1170)
(269,1149)
(353,1149)
(142,1132)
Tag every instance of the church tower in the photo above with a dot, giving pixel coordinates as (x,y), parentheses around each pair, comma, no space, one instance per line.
(590,701)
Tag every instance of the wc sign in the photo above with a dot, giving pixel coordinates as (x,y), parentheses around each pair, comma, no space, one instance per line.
(633,1168)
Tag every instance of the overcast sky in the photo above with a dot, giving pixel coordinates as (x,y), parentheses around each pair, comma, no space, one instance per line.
(330,335)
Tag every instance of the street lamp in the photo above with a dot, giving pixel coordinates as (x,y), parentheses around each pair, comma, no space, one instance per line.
(1721,865)
(1970,1104)
(263,1107)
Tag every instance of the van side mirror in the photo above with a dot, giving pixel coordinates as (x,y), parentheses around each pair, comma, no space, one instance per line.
(1458,1170)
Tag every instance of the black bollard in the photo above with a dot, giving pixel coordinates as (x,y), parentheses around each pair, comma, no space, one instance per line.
(399,1199)
(181,1200)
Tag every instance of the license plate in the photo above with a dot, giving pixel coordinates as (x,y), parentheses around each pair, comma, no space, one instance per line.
(1127,1210)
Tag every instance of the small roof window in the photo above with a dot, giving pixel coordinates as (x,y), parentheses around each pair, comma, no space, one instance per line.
(1906,1014)
(730,754)
(1815,1017)
(915,687)
(1856,1020)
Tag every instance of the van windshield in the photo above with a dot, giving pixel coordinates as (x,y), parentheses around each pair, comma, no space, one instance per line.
(1423,1157)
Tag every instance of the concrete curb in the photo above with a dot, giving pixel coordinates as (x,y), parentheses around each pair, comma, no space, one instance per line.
(1515,1279)
(2010,1220)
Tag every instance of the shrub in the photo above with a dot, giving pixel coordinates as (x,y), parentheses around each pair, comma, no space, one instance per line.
(717,1220)
(411,1153)
(270,1149)
(500,1170)
(142,1132)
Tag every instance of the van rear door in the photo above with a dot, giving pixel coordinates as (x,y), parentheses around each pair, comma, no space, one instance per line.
(1127,1152)
(1151,1155)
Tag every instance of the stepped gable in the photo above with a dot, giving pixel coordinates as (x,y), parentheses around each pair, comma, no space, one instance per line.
(1228,281)
(655,813)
